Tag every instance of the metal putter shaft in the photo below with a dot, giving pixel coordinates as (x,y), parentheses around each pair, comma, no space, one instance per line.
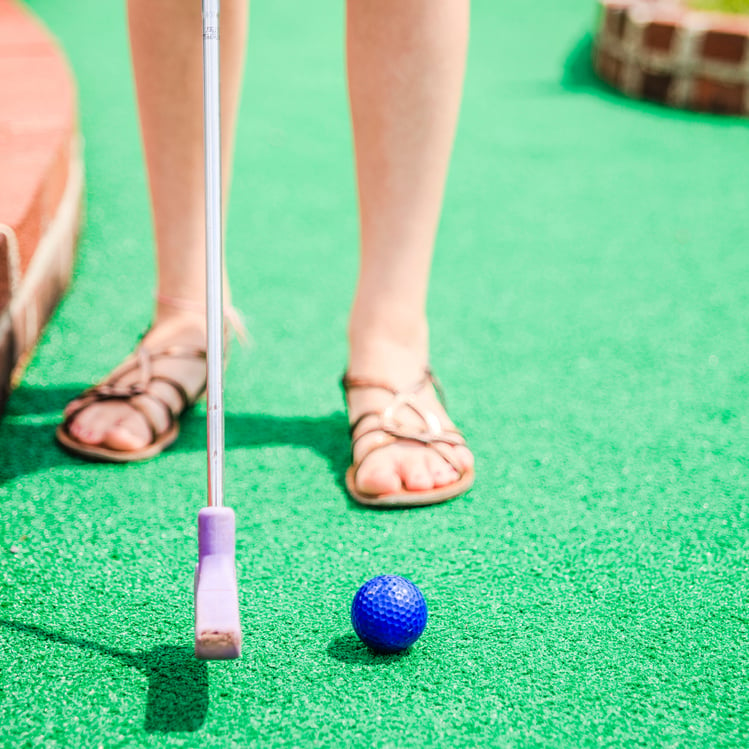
(218,635)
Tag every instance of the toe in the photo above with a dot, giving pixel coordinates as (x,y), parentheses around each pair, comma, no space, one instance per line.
(71,407)
(464,457)
(415,472)
(86,427)
(129,433)
(377,476)
(441,471)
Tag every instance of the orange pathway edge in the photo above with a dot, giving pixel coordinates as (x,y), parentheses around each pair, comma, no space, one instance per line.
(41,190)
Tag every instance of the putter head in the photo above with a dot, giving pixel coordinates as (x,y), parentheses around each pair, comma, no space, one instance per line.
(218,635)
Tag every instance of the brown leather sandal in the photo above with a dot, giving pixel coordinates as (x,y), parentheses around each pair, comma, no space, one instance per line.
(142,359)
(387,424)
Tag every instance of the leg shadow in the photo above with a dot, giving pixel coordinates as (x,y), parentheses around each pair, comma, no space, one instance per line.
(27,430)
(177,699)
(27,443)
(28,448)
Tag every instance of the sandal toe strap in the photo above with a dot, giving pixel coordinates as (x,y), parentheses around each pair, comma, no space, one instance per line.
(133,397)
(389,436)
(185,399)
(388,423)
(101,393)
(135,393)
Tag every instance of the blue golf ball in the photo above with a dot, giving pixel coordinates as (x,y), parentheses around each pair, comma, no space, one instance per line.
(388,613)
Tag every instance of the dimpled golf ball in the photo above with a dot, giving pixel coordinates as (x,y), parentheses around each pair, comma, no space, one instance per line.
(389,613)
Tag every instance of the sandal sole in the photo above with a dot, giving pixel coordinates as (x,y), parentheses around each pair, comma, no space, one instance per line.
(107,455)
(410,499)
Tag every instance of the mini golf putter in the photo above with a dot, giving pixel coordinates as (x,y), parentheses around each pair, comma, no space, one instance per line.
(218,635)
(217,631)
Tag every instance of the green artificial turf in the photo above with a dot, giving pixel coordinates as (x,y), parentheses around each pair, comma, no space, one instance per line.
(590,321)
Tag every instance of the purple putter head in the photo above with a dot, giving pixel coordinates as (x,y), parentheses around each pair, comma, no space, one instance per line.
(218,635)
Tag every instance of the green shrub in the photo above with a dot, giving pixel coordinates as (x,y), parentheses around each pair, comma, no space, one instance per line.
(724,6)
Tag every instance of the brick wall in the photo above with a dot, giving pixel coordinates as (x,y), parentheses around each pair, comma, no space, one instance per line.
(663,51)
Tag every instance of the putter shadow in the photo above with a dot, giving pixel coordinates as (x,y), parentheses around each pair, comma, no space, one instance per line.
(177,699)
(177,690)
(350,649)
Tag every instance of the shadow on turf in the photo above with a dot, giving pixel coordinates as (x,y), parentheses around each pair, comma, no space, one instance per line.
(579,77)
(578,70)
(350,649)
(27,448)
(177,681)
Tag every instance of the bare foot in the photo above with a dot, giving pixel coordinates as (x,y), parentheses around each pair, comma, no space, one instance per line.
(118,425)
(405,464)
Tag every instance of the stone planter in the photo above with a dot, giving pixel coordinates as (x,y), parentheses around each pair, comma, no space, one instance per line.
(663,51)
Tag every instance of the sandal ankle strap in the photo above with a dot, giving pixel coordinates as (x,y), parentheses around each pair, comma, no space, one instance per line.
(348,383)
(231,313)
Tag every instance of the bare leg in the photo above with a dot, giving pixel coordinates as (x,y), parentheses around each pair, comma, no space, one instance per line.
(166,43)
(406,61)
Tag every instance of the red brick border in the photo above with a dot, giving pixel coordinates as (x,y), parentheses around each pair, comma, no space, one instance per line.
(42,186)
(663,51)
